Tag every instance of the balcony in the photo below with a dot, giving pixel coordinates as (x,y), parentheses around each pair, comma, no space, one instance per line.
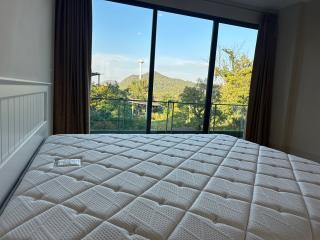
(129,116)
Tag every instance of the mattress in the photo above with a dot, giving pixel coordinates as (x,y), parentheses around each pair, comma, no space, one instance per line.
(164,187)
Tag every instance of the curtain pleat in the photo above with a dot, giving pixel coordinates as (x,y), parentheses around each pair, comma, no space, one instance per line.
(259,109)
(72,66)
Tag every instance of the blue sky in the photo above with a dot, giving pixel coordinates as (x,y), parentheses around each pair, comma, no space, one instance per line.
(122,36)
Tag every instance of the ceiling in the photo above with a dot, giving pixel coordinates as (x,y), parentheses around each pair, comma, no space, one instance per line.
(261,5)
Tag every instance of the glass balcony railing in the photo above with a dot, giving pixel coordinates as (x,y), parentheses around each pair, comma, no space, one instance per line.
(228,119)
(129,116)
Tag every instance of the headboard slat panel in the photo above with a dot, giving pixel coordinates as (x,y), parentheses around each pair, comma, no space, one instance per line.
(23,126)
(20,117)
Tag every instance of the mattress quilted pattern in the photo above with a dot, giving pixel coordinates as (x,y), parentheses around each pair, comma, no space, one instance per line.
(164,187)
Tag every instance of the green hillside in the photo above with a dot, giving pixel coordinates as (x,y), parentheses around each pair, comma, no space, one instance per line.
(164,87)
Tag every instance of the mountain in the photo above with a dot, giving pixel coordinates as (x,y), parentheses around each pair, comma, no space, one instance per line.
(164,87)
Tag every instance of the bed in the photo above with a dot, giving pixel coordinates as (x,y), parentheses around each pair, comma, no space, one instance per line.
(163,187)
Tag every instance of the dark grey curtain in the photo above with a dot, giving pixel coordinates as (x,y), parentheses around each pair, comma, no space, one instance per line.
(259,109)
(72,66)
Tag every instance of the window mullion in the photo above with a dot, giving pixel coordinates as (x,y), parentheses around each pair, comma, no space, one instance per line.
(212,62)
(151,69)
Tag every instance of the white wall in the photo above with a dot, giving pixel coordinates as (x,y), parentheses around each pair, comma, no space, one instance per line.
(211,8)
(26,41)
(289,20)
(26,44)
(296,96)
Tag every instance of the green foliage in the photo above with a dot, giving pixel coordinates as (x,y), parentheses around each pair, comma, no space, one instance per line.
(235,70)
(192,104)
(138,89)
(100,94)
(123,114)
(103,111)
(165,88)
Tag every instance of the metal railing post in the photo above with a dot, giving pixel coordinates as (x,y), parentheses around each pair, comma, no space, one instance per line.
(172,116)
(167,120)
(124,115)
(118,116)
(214,117)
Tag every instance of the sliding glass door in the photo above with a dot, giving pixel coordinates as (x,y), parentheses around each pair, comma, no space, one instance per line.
(158,71)
(181,69)
(120,65)
(232,78)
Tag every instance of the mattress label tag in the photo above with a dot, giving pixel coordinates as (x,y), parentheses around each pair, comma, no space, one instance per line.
(70,162)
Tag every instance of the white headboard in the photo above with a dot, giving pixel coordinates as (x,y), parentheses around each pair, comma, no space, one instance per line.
(23,127)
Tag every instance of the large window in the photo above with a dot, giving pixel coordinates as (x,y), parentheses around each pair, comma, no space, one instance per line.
(232,77)
(120,63)
(180,52)
(181,69)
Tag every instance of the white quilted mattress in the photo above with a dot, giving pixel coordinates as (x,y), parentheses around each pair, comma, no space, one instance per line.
(164,187)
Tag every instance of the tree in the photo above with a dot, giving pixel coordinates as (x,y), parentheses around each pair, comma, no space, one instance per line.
(192,104)
(105,104)
(235,70)
(103,96)
(139,89)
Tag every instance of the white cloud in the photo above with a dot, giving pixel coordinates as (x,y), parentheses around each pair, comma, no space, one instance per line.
(186,69)
(117,67)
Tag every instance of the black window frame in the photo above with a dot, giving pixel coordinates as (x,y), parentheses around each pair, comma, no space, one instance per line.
(212,57)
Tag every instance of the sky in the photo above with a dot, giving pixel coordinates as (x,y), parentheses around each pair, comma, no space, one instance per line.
(122,37)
